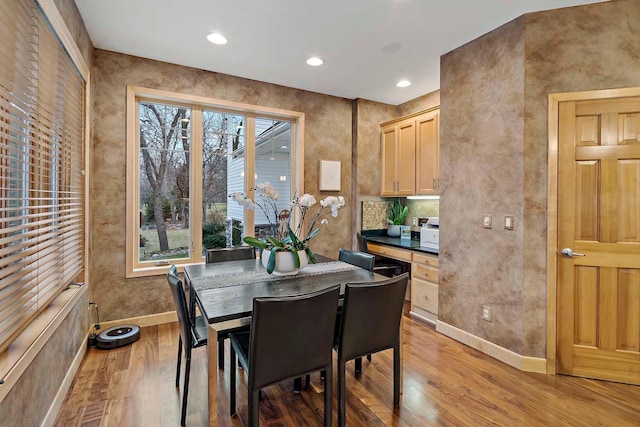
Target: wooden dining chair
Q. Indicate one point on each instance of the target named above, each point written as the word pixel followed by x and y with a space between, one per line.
pixel 216 255
pixel 370 322
pixel 191 335
pixel 290 337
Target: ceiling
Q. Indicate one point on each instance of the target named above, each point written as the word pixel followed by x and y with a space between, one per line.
pixel 270 40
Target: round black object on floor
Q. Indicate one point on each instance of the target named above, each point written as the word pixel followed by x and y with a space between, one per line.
pixel 118 336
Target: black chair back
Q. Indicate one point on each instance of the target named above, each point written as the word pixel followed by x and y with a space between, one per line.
pixel 291 336
pixel 360 259
pixel 371 317
pixel 362 243
pixel 230 254
pixel 181 306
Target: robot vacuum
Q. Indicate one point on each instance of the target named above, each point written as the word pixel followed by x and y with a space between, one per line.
pixel 117 336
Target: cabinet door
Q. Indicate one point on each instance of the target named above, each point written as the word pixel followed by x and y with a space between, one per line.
pixel 427 153
pixel 388 160
pixel 406 155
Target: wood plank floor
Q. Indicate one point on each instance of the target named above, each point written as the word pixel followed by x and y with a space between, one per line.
pixel 445 384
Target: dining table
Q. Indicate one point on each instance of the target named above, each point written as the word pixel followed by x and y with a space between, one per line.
pixel 224 294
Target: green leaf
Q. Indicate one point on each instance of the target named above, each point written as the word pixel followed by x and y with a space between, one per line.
pixel 314 233
pixel 310 255
pixel 296 257
pixel 271 265
pixel 274 242
pixel 256 243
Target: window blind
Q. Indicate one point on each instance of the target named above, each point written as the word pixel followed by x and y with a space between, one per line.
pixel 42 159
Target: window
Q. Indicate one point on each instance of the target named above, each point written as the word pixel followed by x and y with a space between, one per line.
pixel 42 158
pixel 185 156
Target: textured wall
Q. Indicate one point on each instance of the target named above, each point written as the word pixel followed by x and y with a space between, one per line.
pixel 421 103
pixel 327 137
pixel 71 16
pixel 29 400
pixel 493 159
pixel 481 172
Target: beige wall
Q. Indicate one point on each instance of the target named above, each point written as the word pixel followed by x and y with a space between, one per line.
pixel 328 135
pixel 494 157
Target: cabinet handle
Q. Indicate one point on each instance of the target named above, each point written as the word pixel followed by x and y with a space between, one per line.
pixel 438 183
pixel 433 182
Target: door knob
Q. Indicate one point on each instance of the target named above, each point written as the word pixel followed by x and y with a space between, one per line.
pixel 568 253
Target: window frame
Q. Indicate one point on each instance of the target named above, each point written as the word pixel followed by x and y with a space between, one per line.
pixel 137 94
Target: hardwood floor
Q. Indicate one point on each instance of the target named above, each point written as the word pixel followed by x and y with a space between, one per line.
pixel 445 384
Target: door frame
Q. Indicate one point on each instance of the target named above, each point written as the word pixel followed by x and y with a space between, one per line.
pixel 552 205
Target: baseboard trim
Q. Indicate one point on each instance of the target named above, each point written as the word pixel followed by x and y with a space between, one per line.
pixel 142 321
pixel 58 400
pixel 523 363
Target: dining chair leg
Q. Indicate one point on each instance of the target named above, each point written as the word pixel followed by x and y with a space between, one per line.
pixel 220 354
pixel 185 390
pixel 179 359
pixel 396 375
pixel 254 406
pixel 342 401
pixel 369 357
pixel 358 363
pixel 232 382
pixel 328 395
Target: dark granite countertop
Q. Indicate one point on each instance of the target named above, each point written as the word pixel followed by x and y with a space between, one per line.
pixel 380 236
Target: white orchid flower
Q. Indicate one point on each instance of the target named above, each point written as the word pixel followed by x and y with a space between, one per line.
pixel 307 200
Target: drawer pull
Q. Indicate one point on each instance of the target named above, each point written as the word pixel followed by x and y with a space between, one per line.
pixel 425 297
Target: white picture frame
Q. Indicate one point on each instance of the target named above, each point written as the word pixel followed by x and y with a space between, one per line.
pixel 329 175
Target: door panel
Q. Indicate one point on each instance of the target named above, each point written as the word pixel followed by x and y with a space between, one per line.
pixel 599 216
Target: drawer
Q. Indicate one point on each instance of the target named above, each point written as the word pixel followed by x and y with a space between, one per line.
pixel 431 260
pixel 424 295
pixel 389 252
pixel 424 272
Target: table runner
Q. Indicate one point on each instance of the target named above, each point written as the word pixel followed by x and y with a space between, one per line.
pixel 213 281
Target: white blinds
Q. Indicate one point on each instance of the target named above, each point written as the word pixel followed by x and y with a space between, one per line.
pixel 41 156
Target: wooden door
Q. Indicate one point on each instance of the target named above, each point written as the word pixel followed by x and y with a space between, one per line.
pixel 599 217
pixel 388 161
pixel 427 153
pixel 406 158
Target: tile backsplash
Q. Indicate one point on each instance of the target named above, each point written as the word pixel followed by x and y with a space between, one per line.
pixel 374 214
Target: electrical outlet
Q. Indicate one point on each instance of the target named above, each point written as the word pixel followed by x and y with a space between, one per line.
pixel 486 221
pixel 414 220
pixel 486 313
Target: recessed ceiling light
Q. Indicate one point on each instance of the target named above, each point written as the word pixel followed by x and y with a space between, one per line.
pixel 403 83
pixel 391 47
pixel 217 38
pixel 314 61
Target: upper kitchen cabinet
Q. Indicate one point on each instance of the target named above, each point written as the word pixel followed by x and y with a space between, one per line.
pixel 428 153
pixel 398 158
pixel 410 150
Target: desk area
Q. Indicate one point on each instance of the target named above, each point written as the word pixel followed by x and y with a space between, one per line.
pixel 424 270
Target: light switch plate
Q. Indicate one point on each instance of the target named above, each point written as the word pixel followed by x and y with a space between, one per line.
pixel 486 221
pixel 508 222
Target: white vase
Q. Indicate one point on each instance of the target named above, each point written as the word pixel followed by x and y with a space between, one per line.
pixel 284 262
pixel 393 230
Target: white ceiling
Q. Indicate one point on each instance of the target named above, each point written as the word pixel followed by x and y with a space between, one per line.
pixel 270 40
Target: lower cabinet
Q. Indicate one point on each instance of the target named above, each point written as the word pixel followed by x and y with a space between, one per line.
pixel 424 287
pixel 424 279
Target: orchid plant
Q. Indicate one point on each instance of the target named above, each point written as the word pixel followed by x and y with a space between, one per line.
pixel 284 237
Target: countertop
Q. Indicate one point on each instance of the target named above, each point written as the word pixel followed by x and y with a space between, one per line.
pixel 380 236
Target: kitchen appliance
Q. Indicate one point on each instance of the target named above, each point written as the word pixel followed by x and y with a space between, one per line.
pixel 430 234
